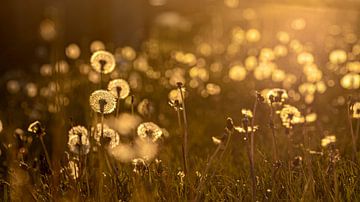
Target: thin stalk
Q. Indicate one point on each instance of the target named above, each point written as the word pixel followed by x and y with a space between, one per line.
pixel 180 132
pixel 185 131
pixel 251 158
pixel 46 154
pixel 352 133
pixel 117 107
pixel 272 126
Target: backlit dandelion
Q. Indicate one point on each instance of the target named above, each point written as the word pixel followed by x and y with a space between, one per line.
pixel 111 137
pixel 337 56
pixel 290 116
pixel 102 101
pixel 79 142
pixel 103 62
pixel 119 88
pixel 149 130
pixel 276 96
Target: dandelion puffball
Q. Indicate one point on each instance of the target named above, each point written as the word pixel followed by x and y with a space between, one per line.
pixel 149 130
pixel 79 142
pixel 102 101
pixel 119 88
pixel 107 133
pixel 103 62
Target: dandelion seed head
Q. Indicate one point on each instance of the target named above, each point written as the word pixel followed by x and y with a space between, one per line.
pixel 149 130
pixel 109 133
pixel 276 95
pixel 119 88
pixel 290 116
pixel 103 62
pixel 79 143
pixel 78 130
pixel 102 101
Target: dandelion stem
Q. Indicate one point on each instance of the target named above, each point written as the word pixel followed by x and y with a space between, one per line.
pixel 117 107
pixel 46 153
pixel 185 131
pixel 272 126
pixel 252 163
pixel 352 133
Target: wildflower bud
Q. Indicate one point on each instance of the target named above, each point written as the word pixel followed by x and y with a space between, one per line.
pixel 229 123
pixel 259 97
pixel 179 84
pixel 36 128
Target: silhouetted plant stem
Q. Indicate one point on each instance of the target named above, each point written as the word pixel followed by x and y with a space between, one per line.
pixel 354 153
pixel 185 141
pixel 47 157
pixel 272 126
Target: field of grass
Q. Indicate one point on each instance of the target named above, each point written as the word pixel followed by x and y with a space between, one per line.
pixel 234 104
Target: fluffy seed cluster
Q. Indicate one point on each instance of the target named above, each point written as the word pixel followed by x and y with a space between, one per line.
pixel 149 130
pixel 276 96
pixel 78 142
pixel 103 62
pixel 119 88
pixel 290 116
pixel 102 101
pixel 107 133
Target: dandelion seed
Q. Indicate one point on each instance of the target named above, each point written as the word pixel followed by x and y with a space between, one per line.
pixel 108 133
pixel 328 140
pixel 103 62
pixel 102 101
pixel 145 108
pixel 119 88
pixel 149 130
